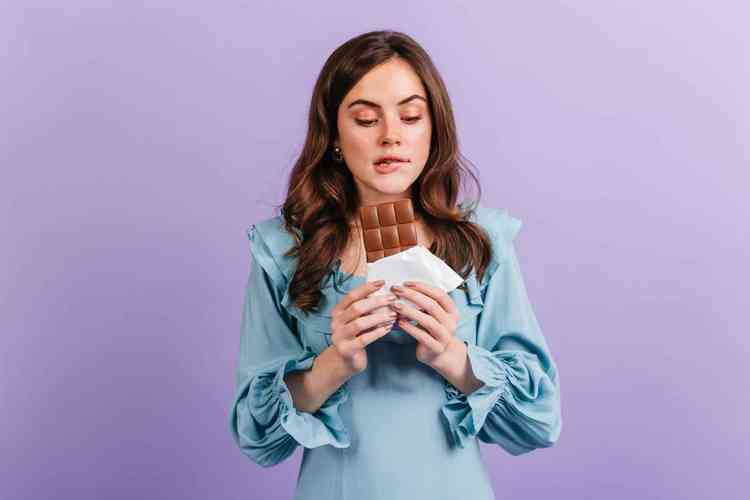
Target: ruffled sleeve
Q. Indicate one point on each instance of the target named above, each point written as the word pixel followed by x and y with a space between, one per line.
pixel 518 407
pixel 263 420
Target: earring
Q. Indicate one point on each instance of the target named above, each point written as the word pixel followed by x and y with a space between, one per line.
pixel 337 154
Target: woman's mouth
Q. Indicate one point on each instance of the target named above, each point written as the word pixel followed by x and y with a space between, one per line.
pixel 389 166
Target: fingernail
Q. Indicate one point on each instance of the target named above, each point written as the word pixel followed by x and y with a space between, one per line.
pixel 379 283
pixel 397 288
pixel 409 283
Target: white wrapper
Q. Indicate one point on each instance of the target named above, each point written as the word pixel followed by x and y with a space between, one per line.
pixel 415 264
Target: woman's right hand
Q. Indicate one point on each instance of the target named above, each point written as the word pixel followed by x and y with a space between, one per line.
pixel 353 327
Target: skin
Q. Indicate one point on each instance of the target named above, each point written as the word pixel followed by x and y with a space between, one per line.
pixel 365 133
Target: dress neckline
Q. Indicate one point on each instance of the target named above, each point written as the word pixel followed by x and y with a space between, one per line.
pixel 345 282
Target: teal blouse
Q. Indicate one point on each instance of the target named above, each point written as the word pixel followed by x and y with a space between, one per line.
pixel 398 429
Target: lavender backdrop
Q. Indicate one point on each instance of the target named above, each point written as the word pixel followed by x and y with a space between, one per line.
pixel 138 140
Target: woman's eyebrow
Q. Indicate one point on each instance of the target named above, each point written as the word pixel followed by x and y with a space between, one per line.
pixel 376 105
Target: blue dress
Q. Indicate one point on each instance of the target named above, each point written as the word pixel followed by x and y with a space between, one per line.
pixel 398 430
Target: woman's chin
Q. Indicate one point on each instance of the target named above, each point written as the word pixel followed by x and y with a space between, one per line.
pixel 385 189
pixel 391 186
pixel 398 192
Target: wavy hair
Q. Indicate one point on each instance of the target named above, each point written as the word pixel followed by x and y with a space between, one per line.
pixel 322 196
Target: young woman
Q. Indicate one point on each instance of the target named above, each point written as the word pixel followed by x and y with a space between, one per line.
pixel 387 410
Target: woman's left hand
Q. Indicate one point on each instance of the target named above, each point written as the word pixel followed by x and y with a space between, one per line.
pixel 435 332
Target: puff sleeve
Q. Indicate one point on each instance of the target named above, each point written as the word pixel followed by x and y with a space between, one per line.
pixel 263 421
pixel 518 407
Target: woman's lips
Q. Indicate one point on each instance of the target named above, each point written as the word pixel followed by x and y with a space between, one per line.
pixel 387 168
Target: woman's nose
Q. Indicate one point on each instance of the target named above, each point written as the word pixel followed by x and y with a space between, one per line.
pixel 392 131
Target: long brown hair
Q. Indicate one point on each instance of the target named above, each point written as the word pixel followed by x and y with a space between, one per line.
pixel 322 196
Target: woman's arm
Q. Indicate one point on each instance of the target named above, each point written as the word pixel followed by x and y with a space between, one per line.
pixel 263 418
pixel 311 388
pixel 518 405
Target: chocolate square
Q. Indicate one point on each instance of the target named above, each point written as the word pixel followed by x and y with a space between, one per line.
pixel 388 228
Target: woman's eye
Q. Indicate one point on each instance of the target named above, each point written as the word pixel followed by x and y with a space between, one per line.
pixel 410 119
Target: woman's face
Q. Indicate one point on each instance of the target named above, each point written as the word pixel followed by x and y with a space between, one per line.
pixel 385 113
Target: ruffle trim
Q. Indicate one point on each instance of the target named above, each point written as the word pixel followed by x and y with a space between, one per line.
pixel 269 240
pixel 272 400
pixel 465 415
pixel 502 229
pixel 511 379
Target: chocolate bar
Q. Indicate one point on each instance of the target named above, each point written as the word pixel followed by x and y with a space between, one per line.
pixel 388 228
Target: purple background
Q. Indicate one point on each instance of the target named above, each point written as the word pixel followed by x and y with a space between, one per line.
pixel 138 140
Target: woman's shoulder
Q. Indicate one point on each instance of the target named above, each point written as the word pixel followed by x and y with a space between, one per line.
pixel 269 243
pixel 270 240
pixel 500 225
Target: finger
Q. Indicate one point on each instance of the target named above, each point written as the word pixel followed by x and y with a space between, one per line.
pixel 369 337
pixel 358 293
pixel 366 322
pixel 364 306
pixel 426 321
pixel 422 336
pixel 424 301
pixel 437 294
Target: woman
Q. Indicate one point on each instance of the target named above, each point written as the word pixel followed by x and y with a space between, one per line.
pixel 387 410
